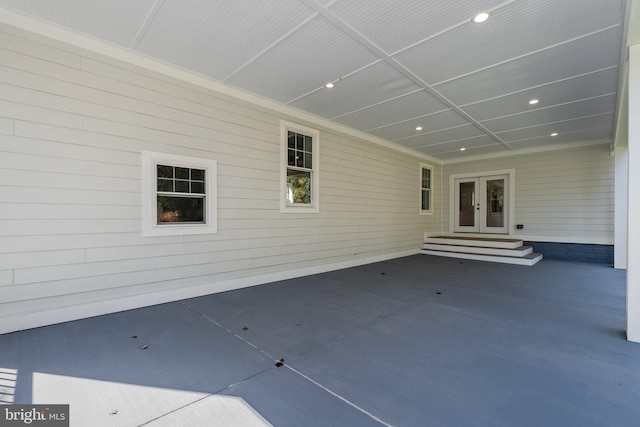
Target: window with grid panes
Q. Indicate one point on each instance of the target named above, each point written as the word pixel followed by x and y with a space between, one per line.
pixel 181 194
pixel 299 168
pixel 300 174
pixel 426 182
pixel 178 196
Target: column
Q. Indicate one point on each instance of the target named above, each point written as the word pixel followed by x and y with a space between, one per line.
pixel 633 253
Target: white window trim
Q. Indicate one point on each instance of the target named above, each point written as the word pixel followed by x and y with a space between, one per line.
pixel 423 211
pixel 314 206
pixel 149 192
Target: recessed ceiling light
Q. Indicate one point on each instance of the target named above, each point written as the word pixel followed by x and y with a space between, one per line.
pixel 462 149
pixel 534 101
pixel 419 128
pixel 329 85
pixel 554 134
pixel 481 17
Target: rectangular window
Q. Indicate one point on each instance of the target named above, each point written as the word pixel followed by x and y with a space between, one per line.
pixel 299 169
pixel 426 182
pixel 178 195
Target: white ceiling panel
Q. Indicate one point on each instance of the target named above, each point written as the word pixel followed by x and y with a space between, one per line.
pixel 573 89
pixel 456 154
pixel 116 21
pixel 563 128
pixel 394 25
pixel 372 85
pixel 307 59
pixel 557 113
pixel 396 64
pixel 220 29
pixel 430 123
pixel 511 31
pixel 557 63
pixel 591 134
pixel 469 144
pixel 415 104
pixel 445 136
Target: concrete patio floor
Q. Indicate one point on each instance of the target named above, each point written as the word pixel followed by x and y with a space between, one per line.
pixel 415 341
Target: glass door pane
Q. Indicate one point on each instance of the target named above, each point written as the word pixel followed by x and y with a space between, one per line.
pixel 467 204
pixel 495 203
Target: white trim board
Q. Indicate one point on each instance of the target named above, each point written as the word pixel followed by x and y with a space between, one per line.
pixel 531 238
pixel 621 206
pixel 55 315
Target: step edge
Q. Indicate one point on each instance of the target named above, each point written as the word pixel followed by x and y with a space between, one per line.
pixel 528 256
pixel 523 247
pixel 477 243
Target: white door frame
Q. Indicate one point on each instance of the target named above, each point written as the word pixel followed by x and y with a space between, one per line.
pixel 475 201
pixel 510 208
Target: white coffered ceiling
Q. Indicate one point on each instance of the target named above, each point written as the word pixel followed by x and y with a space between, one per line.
pixel 396 64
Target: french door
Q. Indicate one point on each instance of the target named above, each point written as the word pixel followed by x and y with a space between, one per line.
pixel 481 204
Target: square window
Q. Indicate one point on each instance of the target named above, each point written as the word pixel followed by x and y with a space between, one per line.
pixel 182 186
pixel 182 173
pixel 197 175
pixel 165 171
pixel 165 184
pixel 197 187
pixel 178 195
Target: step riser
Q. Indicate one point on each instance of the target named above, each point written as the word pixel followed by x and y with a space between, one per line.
pixel 479 257
pixel 479 250
pixel 476 243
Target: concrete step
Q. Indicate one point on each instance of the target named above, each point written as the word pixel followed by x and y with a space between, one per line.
pixel 482 250
pixel 487 242
pixel 529 259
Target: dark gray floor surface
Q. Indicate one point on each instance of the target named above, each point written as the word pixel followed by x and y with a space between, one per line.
pixel 415 341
